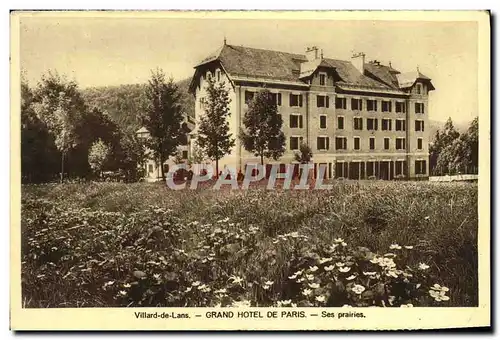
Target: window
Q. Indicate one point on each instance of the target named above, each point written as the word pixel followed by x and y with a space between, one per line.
pixel 400 125
pixel 322 121
pixel 358 123
pixel 150 168
pixel 209 75
pixel 401 107
pixel 386 143
pixel 322 101
pixel 184 154
pixel 323 143
pixel 340 103
pixel 372 124
pixel 295 143
pixel 370 169
pixel 276 98
pixel 400 168
pixel 248 96
pixel 322 79
pixel 202 103
pixel 386 106
pixel 418 89
pixel 356 143
pixel 218 75
pixel 340 169
pixel 420 167
pixel 371 105
pixel 400 143
pixel 296 121
pixel 419 125
pixel 295 100
pixel 386 124
pixel 356 104
pixel 340 123
pixel 420 142
pixel 419 108
pixel 340 143
pixel 372 143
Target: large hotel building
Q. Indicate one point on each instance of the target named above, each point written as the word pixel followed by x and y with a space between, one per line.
pixel 362 119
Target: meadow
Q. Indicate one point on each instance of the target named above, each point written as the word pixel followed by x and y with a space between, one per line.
pixel 372 243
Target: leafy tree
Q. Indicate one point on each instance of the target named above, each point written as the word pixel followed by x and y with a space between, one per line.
pixel 196 156
pixel 214 137
pixel 442 139
pixel 304 155
pixel 99 155
pixel 131 156
pixel 262 134
pixel 59 105
pixel 163 117
pixel 472 137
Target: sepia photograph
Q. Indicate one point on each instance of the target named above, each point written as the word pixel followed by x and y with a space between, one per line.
pixel 222 167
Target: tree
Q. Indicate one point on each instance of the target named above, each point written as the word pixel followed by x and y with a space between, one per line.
pixel 99 155
pixel 442 139
pixel 214 137
pixel 262 134
pixel 304 155
pixel 163 117
pixel 472 137
pixel 59 105
pixel 197 156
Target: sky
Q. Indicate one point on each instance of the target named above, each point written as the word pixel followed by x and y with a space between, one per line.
pixel 112 51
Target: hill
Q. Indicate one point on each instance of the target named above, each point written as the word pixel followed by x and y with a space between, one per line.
pixel 123 103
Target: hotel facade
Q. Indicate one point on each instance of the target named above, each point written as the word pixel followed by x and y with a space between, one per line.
pixel 362 120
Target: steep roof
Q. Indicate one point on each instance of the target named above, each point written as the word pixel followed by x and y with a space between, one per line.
pixel 267 64
pixel 407 79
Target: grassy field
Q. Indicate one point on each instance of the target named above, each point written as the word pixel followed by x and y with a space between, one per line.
pixel 359 244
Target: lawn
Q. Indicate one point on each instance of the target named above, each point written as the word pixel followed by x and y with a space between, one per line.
pixel 358 244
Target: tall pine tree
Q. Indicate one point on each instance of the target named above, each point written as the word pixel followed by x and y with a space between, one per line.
pixel 213 136
pixel 262 134
pixel 163 117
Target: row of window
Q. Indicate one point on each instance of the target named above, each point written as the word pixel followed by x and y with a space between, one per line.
pixel 323 143
pixel 341 103
pixel 377 169
pixel 296 121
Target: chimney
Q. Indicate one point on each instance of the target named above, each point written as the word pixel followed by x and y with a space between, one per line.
pixel 358 60
pixel 312 53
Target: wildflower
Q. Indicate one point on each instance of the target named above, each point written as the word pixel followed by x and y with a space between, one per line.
pixel 276 241
pixel 313 268
pixel 338 240
pixel 438 292
pixel 427 218
pixel 266 287
pixel 395 246
pixel 206 289
pixel 329 268
pixel 188 289
pixel 392 273
pixel 299 272
pixel 306 292
pixel 418 285
pixel 294 234
pixel 391 255
pixel 157 276
pixel 358 289
pixel 369 273
pixel 314 285
pixel 292 277
pixel 407 305
pixel 220 291
pixel 320 298
pixel 196 283
pixel 294 305
pixel 236 279
pixel 344 244
pixel 268 283
pixel 352 277
pixel 423 266
pixel 386 262
pixel 310 277
pixel 126 285
pixel 324 260
pixel 202 287
pixel 339 264
pixel 409 247
pixel 109 283
pixel 300 280
pixel 241 304
pixel 282 303
pixel 122 292
pixel 376 260
pixel 344 269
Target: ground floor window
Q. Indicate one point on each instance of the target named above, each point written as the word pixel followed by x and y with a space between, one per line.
pixel 340 169
pixel 150 168
pixel 400 168
pixel 420 167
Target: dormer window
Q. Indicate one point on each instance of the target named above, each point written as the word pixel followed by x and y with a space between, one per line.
pixel 322 79
pixel 418 88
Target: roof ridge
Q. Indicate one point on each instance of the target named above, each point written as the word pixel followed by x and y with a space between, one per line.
pixel 268 50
